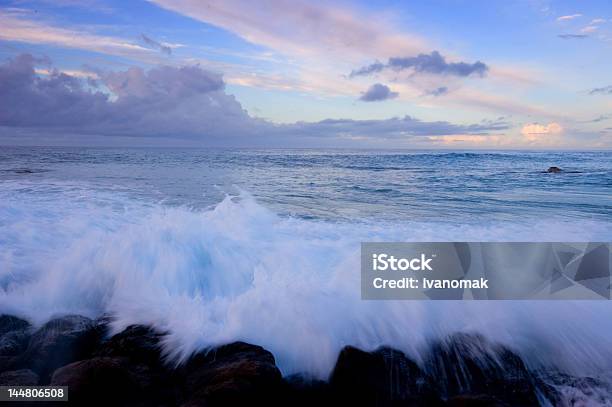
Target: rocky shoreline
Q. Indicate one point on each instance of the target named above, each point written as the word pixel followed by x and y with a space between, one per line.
pixel 128 369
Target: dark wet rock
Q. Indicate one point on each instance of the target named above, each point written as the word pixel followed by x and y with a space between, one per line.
pixel 234 374
pixel 139 347
pixel 302 390
pixel 463 369
pixel 22 377
pixel 59 342
pixel 14 335
pixel 14 343
pixel 468 364
pixel 10 323
pixel 106 381
pixel 385 377
pixel 7 363
pixel 564 389
pixel 554 169
pixel 475 401
pixel 139 343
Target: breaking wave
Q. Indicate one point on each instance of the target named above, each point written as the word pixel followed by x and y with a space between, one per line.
pixel 238 271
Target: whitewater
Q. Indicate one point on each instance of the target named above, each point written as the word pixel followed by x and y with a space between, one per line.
pixel 224 248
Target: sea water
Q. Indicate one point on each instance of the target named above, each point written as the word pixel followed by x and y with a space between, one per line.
pixel 263 245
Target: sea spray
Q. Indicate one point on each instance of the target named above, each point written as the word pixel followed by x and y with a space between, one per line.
pixel 238 271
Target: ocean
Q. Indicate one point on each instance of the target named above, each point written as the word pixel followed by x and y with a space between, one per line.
pixel 215 245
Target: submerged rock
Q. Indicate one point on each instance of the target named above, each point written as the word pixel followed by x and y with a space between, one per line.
pixel 468 364
pixel 385 377
pixel 234 374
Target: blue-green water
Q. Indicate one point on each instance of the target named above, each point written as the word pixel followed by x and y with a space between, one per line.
pixel 339 185
pixel 263 245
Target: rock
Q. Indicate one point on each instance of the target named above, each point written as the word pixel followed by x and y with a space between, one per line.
pixel 563 389
pixel 139 346
pixel 139 343
pixel 105 381
pixel 23 377
pixel 59 342
pixel 14 335
pixel 10 323
pixel 468 364
pixel 385 377
pixel 475 401
pixel 554 169
pixel 301 390
pixel 234 374
pixel 13 343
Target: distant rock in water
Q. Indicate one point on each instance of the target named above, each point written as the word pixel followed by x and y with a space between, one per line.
pixel 553 169
pixel 25 171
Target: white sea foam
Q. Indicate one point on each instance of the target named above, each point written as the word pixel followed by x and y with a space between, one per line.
pixel 240 272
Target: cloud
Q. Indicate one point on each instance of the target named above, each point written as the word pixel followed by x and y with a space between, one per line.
pixel 466 140
pixel 600 118
pixel 300 28
pixel 569 17
pixel 442 90
pixel 589 29
pixel 17 28
pixel 166 49
pixel 597 21
pixel 534 132
pixel 177 103
pixel 378 92
pixel 185 101
pixel 573 36
pixel 433 63
pixel 606 90
pixel 399 127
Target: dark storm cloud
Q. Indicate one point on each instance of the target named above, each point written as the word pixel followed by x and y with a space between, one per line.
pixel 433 63
pixel 157 45
pixel 173 103
pixel 378 92
pixel 572 36
pixel 606 90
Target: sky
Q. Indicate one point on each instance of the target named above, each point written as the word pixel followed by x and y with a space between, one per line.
pixel 523 74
